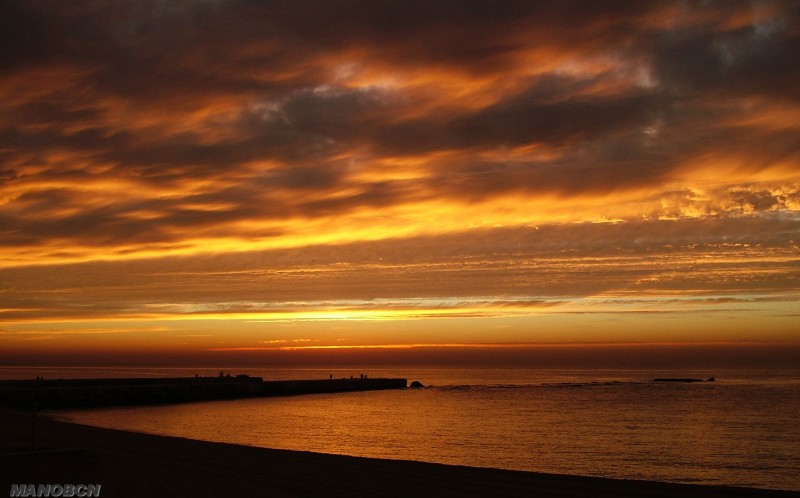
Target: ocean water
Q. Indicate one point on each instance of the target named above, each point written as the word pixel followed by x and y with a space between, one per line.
pixel 743 429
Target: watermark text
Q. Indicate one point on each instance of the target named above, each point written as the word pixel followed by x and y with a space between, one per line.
pixel 56 490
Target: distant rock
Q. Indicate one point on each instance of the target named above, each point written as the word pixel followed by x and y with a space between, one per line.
pixel 416 384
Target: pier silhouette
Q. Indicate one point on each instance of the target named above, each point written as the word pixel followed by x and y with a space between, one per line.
pixel 91 393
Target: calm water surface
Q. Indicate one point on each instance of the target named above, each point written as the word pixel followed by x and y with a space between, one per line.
pixel 741 430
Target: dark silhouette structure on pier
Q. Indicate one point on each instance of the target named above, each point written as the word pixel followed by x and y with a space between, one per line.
pixel 89 393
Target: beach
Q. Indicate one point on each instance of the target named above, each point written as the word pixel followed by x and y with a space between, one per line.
pixel 128 464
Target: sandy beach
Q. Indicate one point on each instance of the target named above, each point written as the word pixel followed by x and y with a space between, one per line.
pixel 136 465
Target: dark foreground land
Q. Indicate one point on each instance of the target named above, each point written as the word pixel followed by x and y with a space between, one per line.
pixel 128 464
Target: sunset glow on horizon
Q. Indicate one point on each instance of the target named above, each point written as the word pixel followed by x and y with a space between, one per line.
pixel 197 178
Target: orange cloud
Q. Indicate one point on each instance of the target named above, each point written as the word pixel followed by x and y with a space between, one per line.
pixel 180 160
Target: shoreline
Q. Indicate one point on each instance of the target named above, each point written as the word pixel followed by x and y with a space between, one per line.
pixel 130 464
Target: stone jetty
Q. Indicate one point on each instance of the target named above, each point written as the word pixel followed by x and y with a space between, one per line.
pixel 90 393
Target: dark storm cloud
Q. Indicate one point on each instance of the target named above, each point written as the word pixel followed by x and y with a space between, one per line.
pixel 206 114
pixel 529 118
pixel 751 60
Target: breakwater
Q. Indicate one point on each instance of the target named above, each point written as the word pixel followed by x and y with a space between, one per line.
pixel 91 393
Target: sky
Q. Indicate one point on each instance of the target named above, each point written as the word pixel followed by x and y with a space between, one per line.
pixel 242 179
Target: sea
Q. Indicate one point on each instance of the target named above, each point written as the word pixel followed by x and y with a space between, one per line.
pixel 743 429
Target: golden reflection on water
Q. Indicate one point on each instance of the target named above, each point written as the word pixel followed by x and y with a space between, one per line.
pixel 733 433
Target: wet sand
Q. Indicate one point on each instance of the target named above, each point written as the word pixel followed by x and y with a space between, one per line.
pixel 129 464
